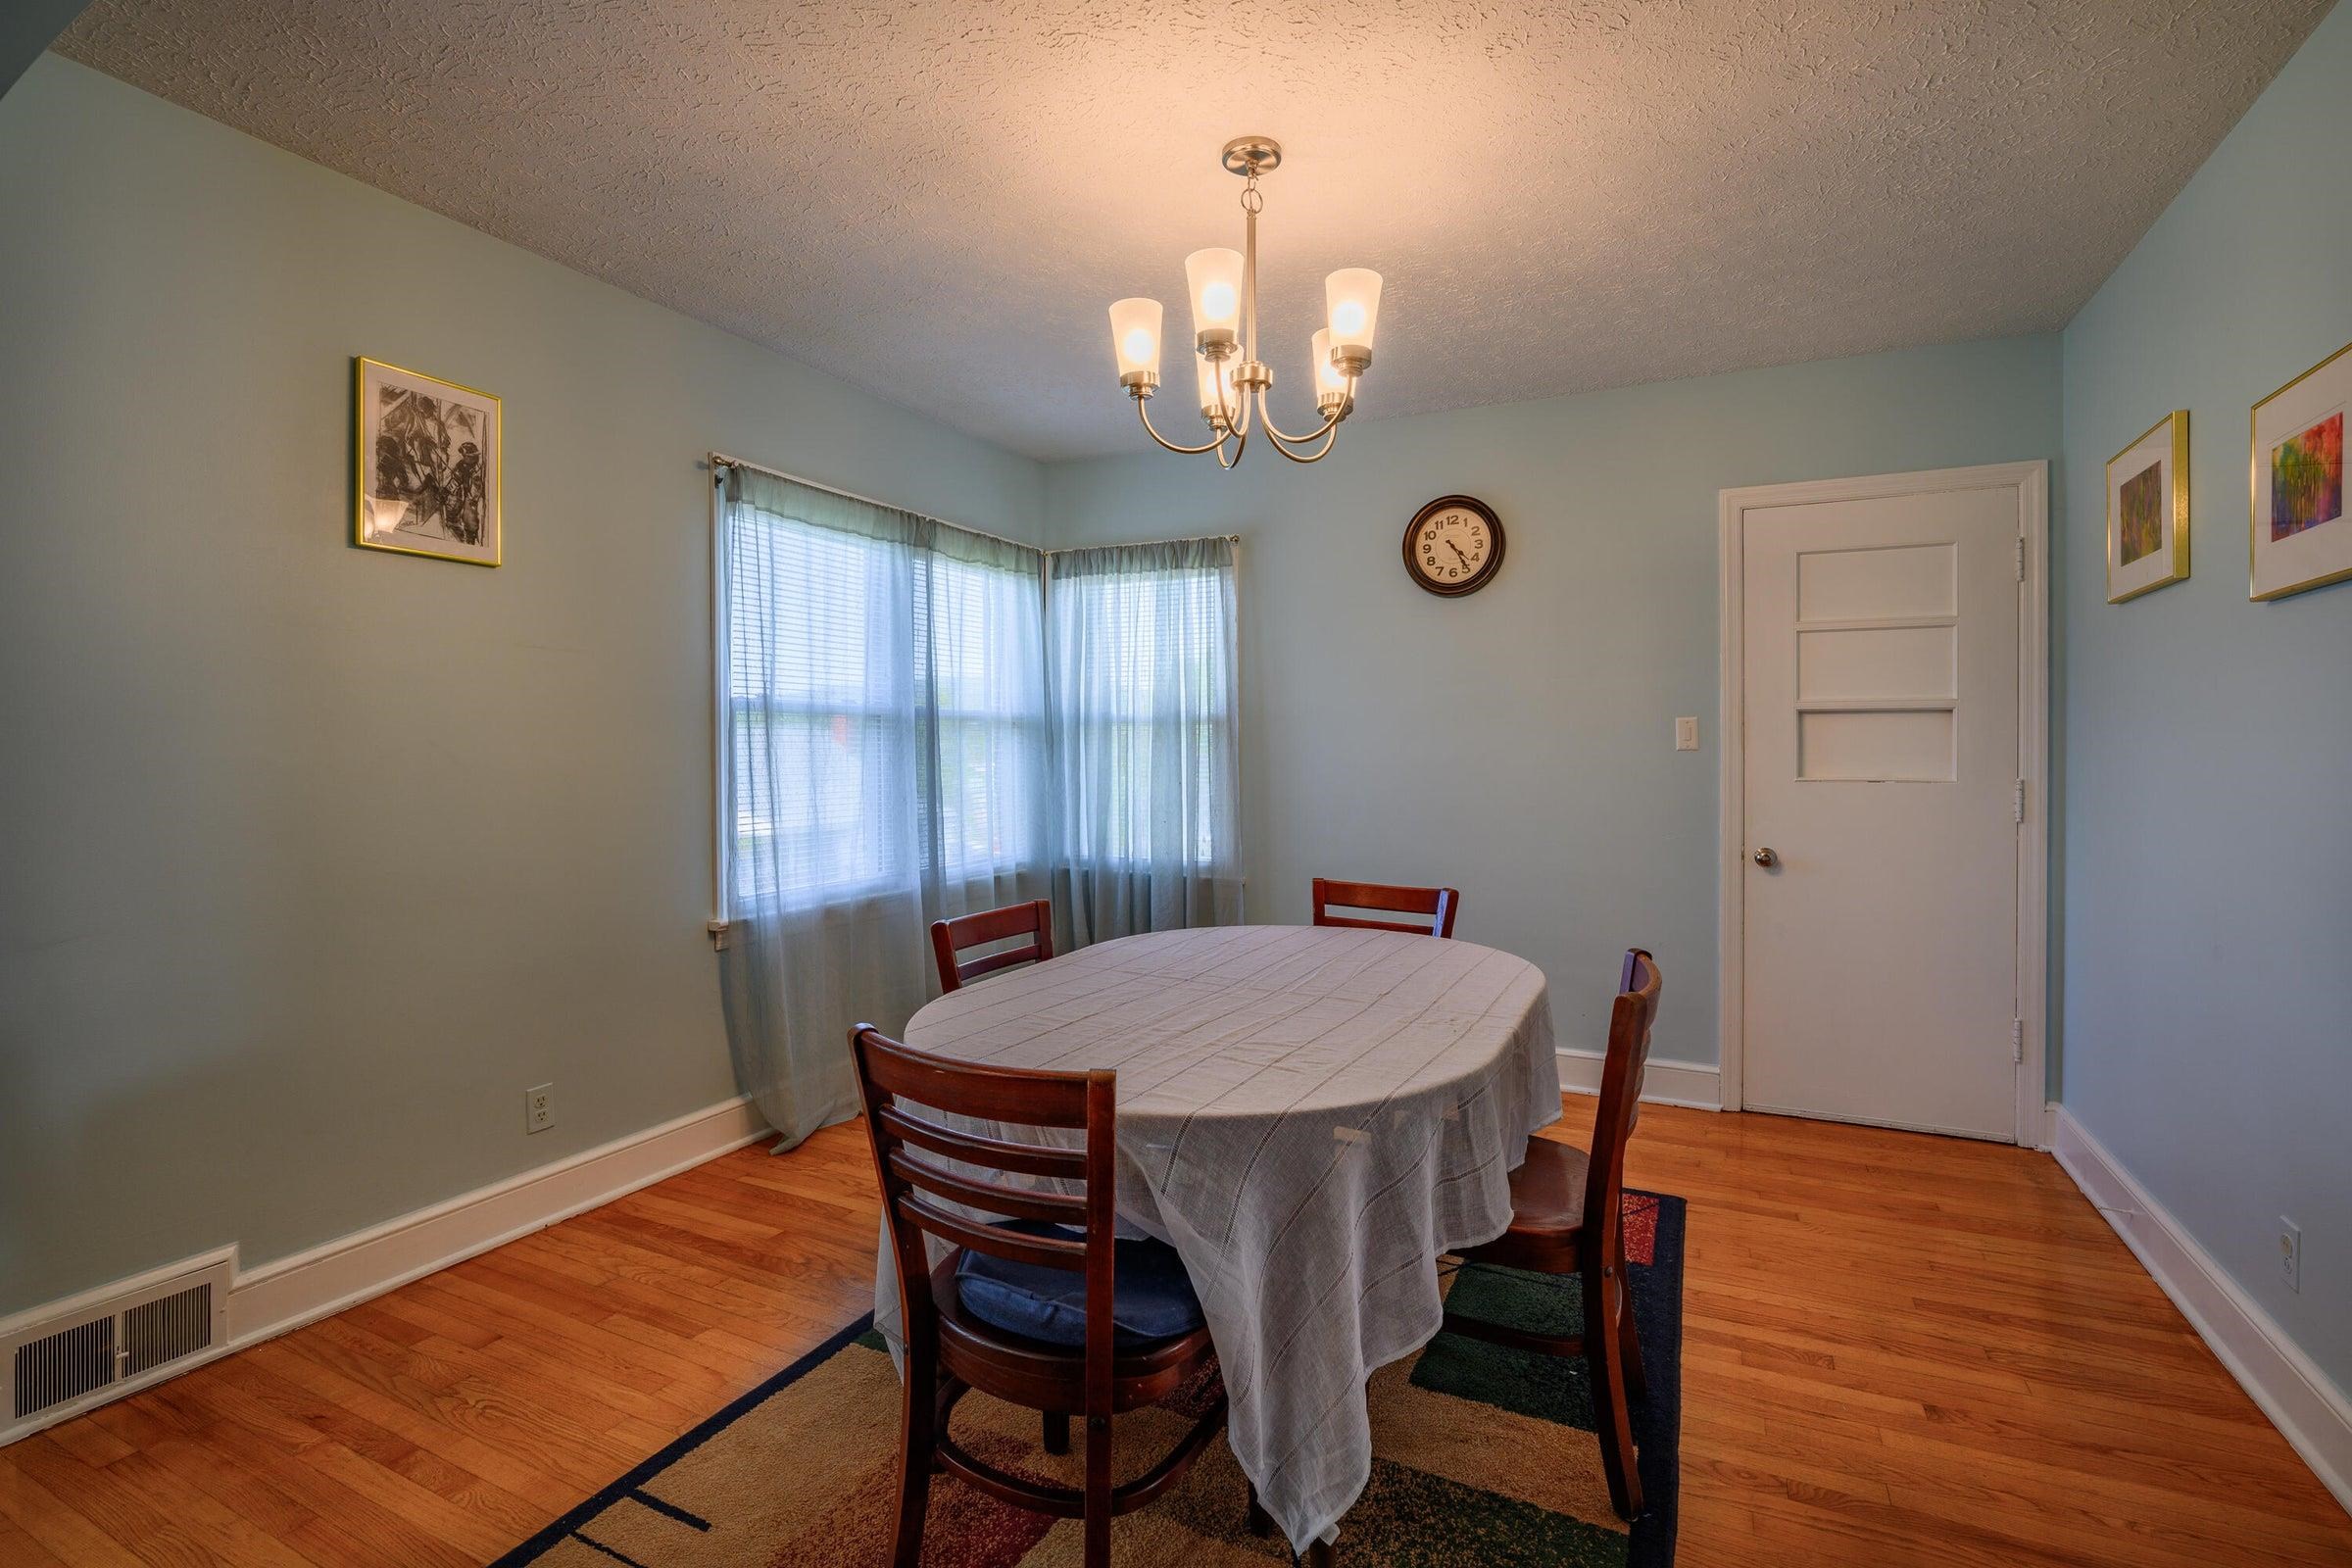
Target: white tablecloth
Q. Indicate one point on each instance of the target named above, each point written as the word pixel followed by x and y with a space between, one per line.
pixel 1310 1117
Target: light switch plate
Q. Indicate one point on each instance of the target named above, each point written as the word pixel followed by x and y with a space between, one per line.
pixel 1685 734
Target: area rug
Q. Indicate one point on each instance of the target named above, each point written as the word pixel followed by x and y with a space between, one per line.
pixel 1484 1455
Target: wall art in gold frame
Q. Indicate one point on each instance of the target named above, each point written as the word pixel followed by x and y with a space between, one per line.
pixel 2297 535
pixel 2147 511
pixel 429 461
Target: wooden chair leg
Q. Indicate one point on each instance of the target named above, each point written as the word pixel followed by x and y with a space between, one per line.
pixel 1057 1432
pixel 1604 1356
pixel 1636 1381
pixel 1261 1523
pixel 918 1447
pixel 1322 1554
pixel 1098 1491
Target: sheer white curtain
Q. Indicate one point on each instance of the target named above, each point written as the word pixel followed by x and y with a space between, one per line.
pixel 1144 685
pixel 885 750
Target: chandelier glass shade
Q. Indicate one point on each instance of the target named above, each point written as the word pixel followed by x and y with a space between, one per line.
pixel 1233 381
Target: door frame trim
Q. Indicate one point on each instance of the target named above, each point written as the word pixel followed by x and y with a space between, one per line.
pixel 2032 482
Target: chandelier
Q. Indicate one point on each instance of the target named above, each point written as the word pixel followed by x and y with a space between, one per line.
pixel 1232 379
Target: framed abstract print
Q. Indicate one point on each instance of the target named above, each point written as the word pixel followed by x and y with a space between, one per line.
pixel 2298 536
pixel 429 456
pixel 2147 511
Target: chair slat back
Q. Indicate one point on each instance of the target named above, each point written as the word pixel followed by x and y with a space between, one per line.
pixel 1034 920
pixel 1621 1072
pixel 1032 1159
pixel 1438 904
pixel 924 1195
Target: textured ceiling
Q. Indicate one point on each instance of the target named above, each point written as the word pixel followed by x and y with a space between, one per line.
pixel 936 200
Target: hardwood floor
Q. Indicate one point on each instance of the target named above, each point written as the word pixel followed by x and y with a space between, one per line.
pixel 1897 1349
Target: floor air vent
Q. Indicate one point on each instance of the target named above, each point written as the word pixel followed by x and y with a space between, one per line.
pixel 62 1366
pixel 67 1359
pixel 168 1329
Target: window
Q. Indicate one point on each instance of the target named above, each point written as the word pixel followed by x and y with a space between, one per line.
pixel 1146 736
pixel 889 747
pixel 885 709
pixel 811 707
pixel 982 716
pixel 1149 652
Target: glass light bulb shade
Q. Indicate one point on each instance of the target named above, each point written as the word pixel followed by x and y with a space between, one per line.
pixel 1352 306
pixel 1330 380
pixel 1216 375
pixel 1214 280
pixel 1135 336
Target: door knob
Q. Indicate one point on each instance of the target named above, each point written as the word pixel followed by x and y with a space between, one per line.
pixel 1765 857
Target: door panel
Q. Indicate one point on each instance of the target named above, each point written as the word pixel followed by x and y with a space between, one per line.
pixel 1880 708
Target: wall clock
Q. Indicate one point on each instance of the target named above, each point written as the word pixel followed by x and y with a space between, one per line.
pixel 1453 546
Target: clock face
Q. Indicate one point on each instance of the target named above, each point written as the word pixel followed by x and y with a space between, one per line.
pixel 1453 545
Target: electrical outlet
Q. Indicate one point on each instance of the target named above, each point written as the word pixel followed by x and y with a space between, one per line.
pixel 1685 734
pixel 2290 1253
pixel 539 1108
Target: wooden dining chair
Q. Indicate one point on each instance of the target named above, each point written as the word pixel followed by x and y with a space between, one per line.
pixel 1568 1217
pixel 950 937
pixel 1437 903
pixel 1046 1307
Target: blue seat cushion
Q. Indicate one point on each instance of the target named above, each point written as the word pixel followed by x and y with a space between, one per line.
pixel 1153 1299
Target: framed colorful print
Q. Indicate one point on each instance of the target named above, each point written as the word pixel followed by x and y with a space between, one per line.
pixel 430 458
pixel 2298 536
pixel 2147 511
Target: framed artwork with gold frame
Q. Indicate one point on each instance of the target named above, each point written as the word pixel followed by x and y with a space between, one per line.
pixel 2147 511
pixel 428 459
pixel 2297 535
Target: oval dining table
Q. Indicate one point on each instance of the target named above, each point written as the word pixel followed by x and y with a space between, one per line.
pixel 1310 1117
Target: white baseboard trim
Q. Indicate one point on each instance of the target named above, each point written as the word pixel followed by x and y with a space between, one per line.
pixel 2300 1399
pixel 1663 1083
pixel 344 1272
pixel 289 1292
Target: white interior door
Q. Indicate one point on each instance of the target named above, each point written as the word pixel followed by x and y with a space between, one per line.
pixel 1880 668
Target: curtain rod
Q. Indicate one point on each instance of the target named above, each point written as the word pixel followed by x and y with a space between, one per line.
pixel 1139 544
pixel 719 459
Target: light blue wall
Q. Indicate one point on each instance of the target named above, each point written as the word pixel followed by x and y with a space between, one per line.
pixel 1519 743
pixel 2208 741
pixel 313 859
